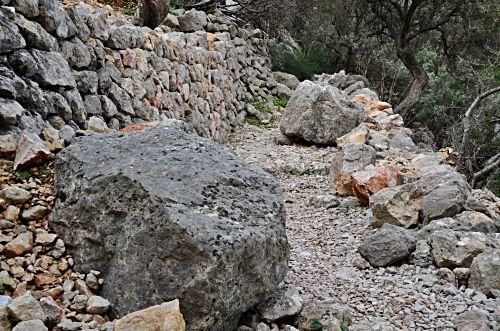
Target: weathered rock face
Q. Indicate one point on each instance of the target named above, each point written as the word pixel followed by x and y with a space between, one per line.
pixel 485 273
pixel 399 205
pixel 319 114
pixel 453 249
pixel 164 317
pixel 351 158
pixel 184 218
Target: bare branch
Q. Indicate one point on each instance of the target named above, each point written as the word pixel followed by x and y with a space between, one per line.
pixel 489 167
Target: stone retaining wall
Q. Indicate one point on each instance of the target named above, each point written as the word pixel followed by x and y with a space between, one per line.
pixel 61 65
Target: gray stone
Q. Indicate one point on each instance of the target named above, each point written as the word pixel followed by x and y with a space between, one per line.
pixel 319 114
pixel 25 308
pixel 217 223
pixel 192 21
pixel 98 24
pixel 97 305
pixel 388 246
pixel 283 92
pixel 445 193
pixel 377 324
pixel 453 249
pixel 58 105
pixel 108 107
pixel 485 273
pixel 126 36
pixel 83 31
pixel 476 221
pixel 32 325
pixel 472 320
pixel 28 8
pixel 23 61
pixel 76 53
pixel 10 38
pixel 10 112
pixel 401 139
pixel 75 102
pixel 14 194
pixel 422 255
pixel 52 70
pixel 286 79
pixel 55 20
pixel 67 133
pixel 121 99
pixel 10 83
pixel 34 213
pixel 35 35
pixel 92 105
pixel 398 205
pixel 86 81
pixel 286 302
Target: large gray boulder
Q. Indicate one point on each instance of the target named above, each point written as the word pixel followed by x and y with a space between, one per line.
pixel 388 246
pixel 164 214
pixel 398 205
pixel 445 192
pixel 454 249
pixel 485 273
pixel 319 114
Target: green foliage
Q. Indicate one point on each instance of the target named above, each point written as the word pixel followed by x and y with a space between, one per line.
pixel 303 63
pixel 316 326
pixel 129 11
pixel 174 6
pixel 24 175
pixel 252 120
pixel 262 108
pixel 280 103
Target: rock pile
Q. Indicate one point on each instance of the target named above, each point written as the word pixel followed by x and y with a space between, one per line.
pixel 38 281
pixel 78 67
pixel 426 210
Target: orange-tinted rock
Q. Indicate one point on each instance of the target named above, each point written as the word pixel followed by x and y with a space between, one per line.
pixel 45 279
pixel 372 179
pixel 164 317
pixel 31 151
pixel 19 246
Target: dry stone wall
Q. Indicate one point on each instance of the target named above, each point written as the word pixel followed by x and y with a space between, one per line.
pixel 62 65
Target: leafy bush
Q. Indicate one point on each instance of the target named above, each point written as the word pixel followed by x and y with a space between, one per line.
pixel 129 11
pixel 303 63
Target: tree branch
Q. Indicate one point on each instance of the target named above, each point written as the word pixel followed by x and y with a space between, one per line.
pixel 489 166
pixel 466 122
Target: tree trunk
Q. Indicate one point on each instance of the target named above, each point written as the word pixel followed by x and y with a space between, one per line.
pixel 151 13
pixel 418 83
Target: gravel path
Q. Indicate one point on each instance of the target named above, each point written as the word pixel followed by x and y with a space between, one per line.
pixel 324 264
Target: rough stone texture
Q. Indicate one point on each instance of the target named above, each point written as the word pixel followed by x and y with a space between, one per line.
pixel 25 308
pixel 286 79
pixel 31 151
pixel 216 223
pixel 319 114
pixel 33 325
pixel 485 273
pixel 164 317
pixel 445 193
pixel 372 179
pixel 472 320
pixel 286 302
pixel 351 158
pixel 388 246
pixel 203 76
pixel 399 205
pixel 453 249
